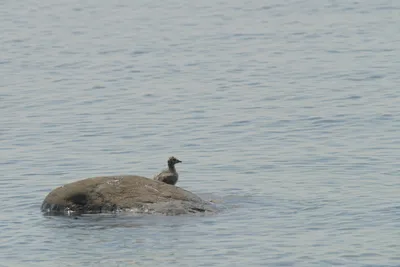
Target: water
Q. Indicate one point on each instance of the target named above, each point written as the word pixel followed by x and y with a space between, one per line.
pixel 286 112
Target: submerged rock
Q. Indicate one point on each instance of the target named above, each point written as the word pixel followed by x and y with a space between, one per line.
pixel 123 193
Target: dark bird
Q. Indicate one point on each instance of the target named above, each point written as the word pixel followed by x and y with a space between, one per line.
pixel 169 176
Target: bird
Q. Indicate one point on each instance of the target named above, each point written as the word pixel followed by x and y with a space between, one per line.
pixel 169 176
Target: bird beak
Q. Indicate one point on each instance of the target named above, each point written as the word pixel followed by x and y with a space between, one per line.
pixel 179 161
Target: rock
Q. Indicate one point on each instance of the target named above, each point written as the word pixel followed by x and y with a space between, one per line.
pixel 123 193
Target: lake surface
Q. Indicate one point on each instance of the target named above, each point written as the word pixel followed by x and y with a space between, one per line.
pixel 287 112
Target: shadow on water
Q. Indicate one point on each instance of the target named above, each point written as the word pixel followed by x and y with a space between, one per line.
pixel 103 221
pixel 93 221
pixel 227 206
pixel 119 220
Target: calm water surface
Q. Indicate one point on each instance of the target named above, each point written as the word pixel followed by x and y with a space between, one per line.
pixel 287 112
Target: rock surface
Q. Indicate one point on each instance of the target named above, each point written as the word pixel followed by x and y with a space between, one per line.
pixel 123 193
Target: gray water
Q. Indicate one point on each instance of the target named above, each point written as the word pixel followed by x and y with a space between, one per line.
pixel 286 112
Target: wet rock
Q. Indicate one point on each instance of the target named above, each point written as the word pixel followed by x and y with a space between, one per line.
pixel 123 193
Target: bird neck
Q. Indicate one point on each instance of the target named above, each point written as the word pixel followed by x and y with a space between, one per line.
pixel 171 167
